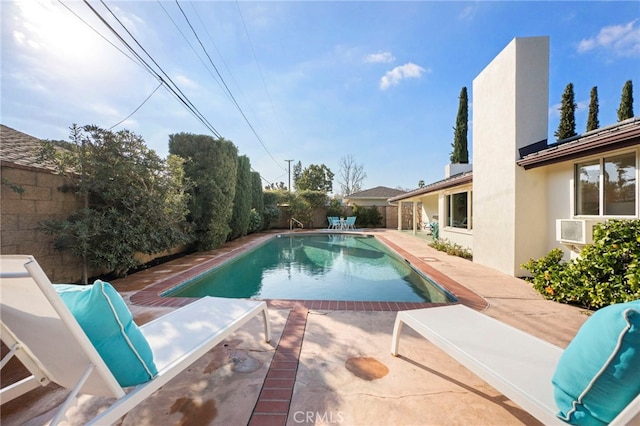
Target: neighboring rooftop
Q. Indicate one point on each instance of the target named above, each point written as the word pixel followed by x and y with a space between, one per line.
pixel 381 192
pixel 21 149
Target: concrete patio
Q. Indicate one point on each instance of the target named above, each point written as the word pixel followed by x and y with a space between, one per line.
pixel 329 365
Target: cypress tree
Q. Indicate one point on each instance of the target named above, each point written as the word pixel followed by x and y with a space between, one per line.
pixel 460 152
pixel 626 102
pixel 592 121
pixel 241 213
pixel 567 125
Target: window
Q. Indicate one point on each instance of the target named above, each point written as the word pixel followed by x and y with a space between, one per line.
pixel 457 210
pixel 606 186
pixel 588 190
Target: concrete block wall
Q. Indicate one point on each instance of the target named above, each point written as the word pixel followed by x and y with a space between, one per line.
pixel 21 214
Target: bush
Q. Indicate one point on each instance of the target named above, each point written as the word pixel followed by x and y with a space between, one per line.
pixel 606 272
pixel 452 249
pixel 335 209
pixel 367 217
pixel 255 221
pixel 271 211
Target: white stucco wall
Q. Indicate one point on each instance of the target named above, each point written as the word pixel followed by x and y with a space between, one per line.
pixel 559 201
pixel 510 111
pixel 429 208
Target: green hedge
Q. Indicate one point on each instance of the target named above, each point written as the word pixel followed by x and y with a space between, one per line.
pixel 606 272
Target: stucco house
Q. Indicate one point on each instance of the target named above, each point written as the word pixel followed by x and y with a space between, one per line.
pixel 524 196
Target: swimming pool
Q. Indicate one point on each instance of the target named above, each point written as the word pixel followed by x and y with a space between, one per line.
pixel 347 267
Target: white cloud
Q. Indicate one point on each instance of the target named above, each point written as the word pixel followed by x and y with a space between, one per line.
pixel 184 81
pixel 468 13
pixel 621 40
pixel 393 77
pixel 384 57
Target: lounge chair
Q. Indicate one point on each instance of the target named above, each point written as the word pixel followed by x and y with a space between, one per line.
pixel 517 364
pixel 42 332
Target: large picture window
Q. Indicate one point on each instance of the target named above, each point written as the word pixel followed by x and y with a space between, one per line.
pixel 457 210
pixel 607 186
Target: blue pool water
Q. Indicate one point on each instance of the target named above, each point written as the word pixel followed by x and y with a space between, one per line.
pixel 317 267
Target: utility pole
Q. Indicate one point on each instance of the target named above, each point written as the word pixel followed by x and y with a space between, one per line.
pixel 289 161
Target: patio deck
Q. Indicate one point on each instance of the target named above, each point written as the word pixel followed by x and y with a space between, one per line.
pixel 329 362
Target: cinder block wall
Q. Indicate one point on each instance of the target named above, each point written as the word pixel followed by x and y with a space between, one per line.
pixel 22 212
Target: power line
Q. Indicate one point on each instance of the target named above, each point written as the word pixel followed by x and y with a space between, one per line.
pixel 225 84
pixel 183 98
pixel 173 88
pixel 140 106
pixel 175 24
pixel 255 58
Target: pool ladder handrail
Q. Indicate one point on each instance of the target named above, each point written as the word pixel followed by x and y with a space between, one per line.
pixel 292 220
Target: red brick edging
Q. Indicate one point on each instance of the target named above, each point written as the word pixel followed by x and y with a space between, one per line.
pixel 272 407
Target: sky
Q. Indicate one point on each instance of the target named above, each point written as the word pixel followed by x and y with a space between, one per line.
pixel 311 82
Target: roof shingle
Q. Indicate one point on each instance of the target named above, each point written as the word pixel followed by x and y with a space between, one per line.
pixel 21 149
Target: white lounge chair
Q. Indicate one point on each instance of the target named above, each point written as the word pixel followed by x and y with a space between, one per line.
pixel 515 363
pixel 43 334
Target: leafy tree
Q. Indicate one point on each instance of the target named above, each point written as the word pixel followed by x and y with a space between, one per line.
pixel 567 125
pixel 625 111
pixel 335 208
pixel 211 164
pixel 297 172
pixel 242 201
pixel 271 210
pixel 460 153
pixel 592 122
pixel 280 186
pixel 313 178
pixel 133 200
pixel 351 175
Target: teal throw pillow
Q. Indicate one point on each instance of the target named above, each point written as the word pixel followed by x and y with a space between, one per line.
pixel 598 374
pixel 108 323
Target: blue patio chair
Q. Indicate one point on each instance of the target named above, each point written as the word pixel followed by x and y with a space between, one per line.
pixel 351 222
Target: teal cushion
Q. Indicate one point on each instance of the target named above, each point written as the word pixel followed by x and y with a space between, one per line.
pixel 599 372
pixel 108 323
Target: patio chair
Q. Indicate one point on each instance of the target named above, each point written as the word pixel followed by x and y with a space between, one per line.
pixel 350 223
pixel 334 222
pixel 41 331
pixel 522 366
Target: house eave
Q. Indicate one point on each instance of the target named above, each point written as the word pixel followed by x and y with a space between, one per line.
pixel 451 182
pixel 622 135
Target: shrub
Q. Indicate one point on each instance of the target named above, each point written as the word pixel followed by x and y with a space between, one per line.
pixel 255 221
pixel 607 271
pixel 335 209
pixel 452 249
pixel 367 217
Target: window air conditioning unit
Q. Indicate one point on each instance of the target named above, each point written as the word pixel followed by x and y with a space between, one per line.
pixel 575 231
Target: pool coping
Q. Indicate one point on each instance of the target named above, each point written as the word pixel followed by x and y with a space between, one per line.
pixel 151 295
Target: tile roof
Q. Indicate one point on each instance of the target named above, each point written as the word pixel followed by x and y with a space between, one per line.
pixel 381 192
pixel 20 149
